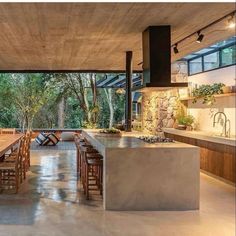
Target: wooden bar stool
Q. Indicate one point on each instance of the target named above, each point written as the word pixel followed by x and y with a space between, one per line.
pixel 91 170
pixel 79 154
pixel 84 148
pixel 79 141
pixel 95 167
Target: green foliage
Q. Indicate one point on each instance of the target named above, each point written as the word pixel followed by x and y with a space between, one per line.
pixel 110 131
pixel 185 120
pixel 207 92
pixel 32 101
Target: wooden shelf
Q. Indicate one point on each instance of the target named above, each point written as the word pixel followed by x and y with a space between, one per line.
pixel 216 96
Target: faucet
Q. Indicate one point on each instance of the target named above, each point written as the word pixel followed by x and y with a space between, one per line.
pixel 226 134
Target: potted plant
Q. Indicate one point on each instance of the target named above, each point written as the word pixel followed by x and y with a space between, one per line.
pixel 207 92
pixel 110 132
pixel 185 122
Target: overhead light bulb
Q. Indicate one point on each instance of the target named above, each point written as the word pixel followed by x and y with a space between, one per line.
pixel 200 37
pixel 176 49
pixel 231 23
pixel 120 91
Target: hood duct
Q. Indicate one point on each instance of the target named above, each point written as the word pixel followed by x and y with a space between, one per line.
pixel 157 59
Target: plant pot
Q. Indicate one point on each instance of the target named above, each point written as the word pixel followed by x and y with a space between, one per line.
pixel 233 89
pixel 189 128
pixel 227 89
pixel 181 127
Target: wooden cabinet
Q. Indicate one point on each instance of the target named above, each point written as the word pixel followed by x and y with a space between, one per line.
pixel 215 158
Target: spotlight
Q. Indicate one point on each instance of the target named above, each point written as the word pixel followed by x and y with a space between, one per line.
pixel 231 22
pixel 200 37
pixel 176 49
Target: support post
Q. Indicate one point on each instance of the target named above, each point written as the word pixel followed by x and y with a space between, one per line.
pixel 128 94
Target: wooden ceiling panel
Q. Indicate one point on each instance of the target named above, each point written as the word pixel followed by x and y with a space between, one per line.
pixel 95 36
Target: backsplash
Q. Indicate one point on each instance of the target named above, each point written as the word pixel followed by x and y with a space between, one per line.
pixel 159 107
pixel 158 110
pixel 204 114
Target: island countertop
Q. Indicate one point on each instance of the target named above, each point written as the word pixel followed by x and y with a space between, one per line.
pixel 129 140
pixel 143 176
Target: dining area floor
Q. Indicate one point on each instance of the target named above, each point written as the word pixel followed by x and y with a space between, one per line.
pixel 51 202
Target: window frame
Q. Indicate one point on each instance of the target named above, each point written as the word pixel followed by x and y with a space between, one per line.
pixel 219 49
pixel 202 63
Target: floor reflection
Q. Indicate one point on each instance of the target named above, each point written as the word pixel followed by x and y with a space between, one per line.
pixel 51 177
pixel 51 202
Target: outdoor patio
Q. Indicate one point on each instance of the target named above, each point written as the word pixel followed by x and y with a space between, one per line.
pixel 49 203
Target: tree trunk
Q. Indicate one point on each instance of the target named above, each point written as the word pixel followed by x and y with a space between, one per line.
pixel 61 113
pixel 94 93
pixel 87 110
pixel 108 93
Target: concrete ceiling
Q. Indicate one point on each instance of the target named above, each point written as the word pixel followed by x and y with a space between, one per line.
pixel 95 36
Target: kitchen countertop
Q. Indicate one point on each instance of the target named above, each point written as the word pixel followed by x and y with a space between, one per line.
pixel 202 135
pixel 130 140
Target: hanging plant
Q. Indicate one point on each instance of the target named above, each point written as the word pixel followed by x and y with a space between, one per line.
pixel 207 92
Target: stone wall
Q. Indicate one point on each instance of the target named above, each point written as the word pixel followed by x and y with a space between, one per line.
pixel 158 110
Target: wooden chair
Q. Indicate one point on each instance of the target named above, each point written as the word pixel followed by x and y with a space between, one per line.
pixel 25 159
pixel 11 172
pixel 27 149
pixel 8 131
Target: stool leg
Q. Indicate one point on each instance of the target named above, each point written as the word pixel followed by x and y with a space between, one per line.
pixel 87 182
pixel 16 182
pixel 0 180
pixel 80 164
pixel 77 160
pixel 101 179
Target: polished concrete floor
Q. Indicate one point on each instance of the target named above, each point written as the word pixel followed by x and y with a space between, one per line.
pixel 49 203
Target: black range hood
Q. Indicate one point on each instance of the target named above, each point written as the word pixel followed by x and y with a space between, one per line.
pixel 157 60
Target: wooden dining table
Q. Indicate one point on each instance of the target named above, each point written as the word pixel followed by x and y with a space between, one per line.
pixel 7 141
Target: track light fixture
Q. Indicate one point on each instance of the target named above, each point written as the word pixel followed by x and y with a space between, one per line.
pixel 176 49
pixel 231 22
pixel 200 37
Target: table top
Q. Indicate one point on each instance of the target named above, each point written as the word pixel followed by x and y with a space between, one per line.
pixel 7 141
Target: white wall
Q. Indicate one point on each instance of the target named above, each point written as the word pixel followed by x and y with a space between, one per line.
pixel 204 114
pixel 225 75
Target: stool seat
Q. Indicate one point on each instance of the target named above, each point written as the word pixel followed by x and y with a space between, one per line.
pixel 94 162
pixel 94 155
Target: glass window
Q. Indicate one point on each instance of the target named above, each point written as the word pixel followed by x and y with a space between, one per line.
pixel 195 66
pixel 204 50
pixel 211 61
pixel 228 56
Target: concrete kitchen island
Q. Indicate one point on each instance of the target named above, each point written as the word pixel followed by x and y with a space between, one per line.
pixel 143 176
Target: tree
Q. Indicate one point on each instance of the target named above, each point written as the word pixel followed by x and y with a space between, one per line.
pixel 83 87
pixel 8 117
pixel 33 100
pixel 108 93
pixel 29 95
